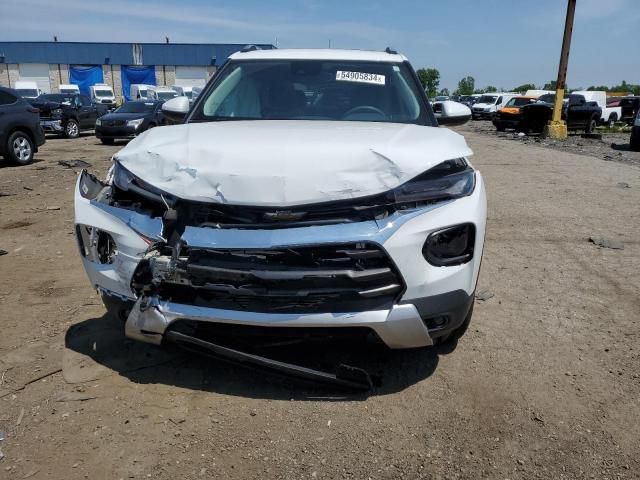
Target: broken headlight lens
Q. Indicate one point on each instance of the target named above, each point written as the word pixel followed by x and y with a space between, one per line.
pixel 446 181
pixel 124 180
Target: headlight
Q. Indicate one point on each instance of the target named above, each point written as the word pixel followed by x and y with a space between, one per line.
pixel 135 123
pixel 123 179
pixel 98 122
pixel 446 181
pixel 56 112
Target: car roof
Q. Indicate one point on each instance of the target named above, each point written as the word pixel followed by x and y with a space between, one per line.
pixel 319 54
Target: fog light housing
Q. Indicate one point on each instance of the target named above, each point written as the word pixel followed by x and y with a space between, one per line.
pixel 450 246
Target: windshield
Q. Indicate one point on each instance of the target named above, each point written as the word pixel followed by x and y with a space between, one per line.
pixel 56 97
pixel 103 93
pixel 166 95
pixel 312 90
pixel 136 107
pixel 518 102
pixel 487 99
pixel 27 92
pixel 68 90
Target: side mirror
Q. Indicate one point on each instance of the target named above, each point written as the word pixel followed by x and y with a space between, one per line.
pixel 176 109
pixel 451 113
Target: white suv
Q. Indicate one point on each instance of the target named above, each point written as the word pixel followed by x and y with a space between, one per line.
pixel 307 191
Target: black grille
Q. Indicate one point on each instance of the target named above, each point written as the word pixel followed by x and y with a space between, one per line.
pixel 336 278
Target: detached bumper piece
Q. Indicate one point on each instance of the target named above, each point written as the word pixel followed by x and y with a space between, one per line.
pixel 346 376
pixel 322 279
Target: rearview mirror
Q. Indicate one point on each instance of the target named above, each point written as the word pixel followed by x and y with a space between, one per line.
pixel 451 113
pixel 176 109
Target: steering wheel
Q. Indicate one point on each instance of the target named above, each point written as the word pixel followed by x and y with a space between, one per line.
pixel 364 109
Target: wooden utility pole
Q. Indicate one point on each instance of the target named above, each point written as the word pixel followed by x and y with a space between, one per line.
pixel 557 128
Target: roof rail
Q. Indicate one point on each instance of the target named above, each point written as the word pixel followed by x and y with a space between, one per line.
pixel 250 48
pixel 391 51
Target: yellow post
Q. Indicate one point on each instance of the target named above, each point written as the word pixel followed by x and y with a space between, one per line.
pixel 557 128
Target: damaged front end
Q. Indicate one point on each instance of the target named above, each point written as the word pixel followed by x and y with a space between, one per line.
pixel 190 272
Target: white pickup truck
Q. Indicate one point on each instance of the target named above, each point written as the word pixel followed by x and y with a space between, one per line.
pixel 610 115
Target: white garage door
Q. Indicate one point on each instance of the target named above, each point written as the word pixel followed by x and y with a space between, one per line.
pixel 35 72
pixel 191 76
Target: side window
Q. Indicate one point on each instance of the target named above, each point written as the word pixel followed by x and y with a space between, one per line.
pixel 85 101
pixel 6 98
pixel 577 100
pixel 499 101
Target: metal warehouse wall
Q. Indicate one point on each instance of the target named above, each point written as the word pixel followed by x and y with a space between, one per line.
pixel 81 53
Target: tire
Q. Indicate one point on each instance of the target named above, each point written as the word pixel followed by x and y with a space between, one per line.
pixel 591 126
pixel 20 148
pixel 107 141
pixel 71 129
pixel 117 310
pixel 453 337
pixel 613 118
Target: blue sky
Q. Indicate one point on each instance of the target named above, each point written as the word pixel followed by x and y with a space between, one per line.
pixel 499 42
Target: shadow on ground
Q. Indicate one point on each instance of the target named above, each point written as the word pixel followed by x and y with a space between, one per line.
pixel 391 370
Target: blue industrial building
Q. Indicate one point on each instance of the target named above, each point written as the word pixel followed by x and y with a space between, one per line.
pixel 50 64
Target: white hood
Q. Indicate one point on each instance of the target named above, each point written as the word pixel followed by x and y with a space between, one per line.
pixel 284 163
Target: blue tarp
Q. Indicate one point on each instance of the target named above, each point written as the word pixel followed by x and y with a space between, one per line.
pixel 132 75
pixel 85 76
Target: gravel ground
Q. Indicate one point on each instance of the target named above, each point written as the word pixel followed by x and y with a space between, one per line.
pixel 544 385
pixel 612 147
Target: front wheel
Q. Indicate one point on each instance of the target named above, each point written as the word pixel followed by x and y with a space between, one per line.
pixel 613 118
pixel 20 148
pixel 72 129
pixel 591 126
pixel 453 337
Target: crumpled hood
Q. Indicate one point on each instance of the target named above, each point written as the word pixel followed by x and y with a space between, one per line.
pixel 285 163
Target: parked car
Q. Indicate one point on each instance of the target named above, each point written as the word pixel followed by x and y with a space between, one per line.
pixel 469 100
pixel 69 88
pixel 190 92
pixel 164 93
pixel 141 91
pixel 630 106
pixel 20 130
pixel 488 104
pixel 103 94
pixel 634 141
pixel 129 120
pixel 178 89
pixel 67 114
pixel 27 89
pixel 441 98
pixel 239 227
pixel 509 116
pixel 195 91
pixel 578 113
pixel 609 115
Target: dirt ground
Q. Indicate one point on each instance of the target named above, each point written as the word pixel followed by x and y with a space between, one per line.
pixel 545 385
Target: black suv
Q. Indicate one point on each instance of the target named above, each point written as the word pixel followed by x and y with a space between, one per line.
pixel 67 114
pixel 576 112
pixel 20 131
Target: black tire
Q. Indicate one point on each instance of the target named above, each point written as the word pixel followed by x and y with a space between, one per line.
pixel 117 310
pixel 71 129
pixel 107 141
pixel 591 126
pixel 453 337
pixel 613 118
pixel 20 148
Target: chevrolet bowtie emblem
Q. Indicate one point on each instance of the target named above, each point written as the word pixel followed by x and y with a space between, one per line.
pixel 283 215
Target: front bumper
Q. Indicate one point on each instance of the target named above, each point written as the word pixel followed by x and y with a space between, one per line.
pixel 54 126
pixel 430 292
pixel 116 132
pixel 482 115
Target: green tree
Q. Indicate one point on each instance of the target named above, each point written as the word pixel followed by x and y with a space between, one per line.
pixel 430 79
pixel 490 89
pixel 550 85
pixel 524 87
pixel 444 92
pixel 466 86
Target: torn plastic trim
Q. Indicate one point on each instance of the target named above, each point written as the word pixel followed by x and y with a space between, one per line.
pixel 99 194
pixel 345 376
